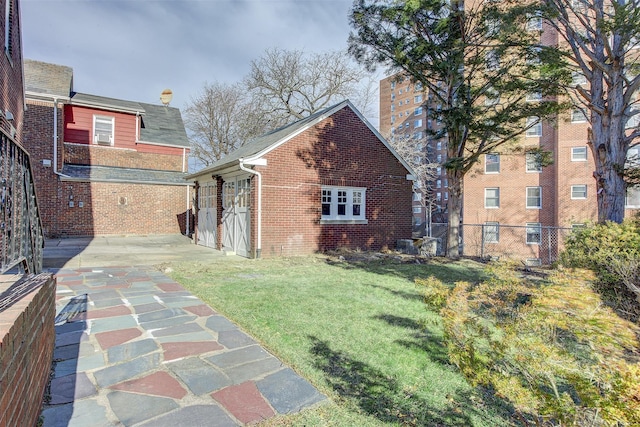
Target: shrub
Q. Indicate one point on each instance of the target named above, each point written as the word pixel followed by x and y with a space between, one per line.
pixel 550 348
pixel 612 251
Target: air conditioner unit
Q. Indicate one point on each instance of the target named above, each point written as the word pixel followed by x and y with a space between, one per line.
pixel 103 138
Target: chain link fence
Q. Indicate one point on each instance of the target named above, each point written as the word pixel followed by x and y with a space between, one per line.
pixel 531 244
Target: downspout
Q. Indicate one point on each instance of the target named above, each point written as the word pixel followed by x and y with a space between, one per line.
pixel 187 212
pixel 55 138
pixel 259 227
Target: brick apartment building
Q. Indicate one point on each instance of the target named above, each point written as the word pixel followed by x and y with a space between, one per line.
pixel 103 165
pixel 509 187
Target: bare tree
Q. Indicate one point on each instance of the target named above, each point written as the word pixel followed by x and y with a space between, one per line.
pixel 414 151
pixel 220 119
pixel 289 85
pixel 603 37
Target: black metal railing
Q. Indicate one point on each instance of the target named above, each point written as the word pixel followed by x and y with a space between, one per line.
pixel 21 235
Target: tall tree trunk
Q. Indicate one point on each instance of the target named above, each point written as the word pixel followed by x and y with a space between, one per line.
pixel 454 212
pixel 607 141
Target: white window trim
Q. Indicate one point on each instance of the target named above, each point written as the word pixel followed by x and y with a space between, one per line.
pixel 578 116
pixel 348 218
pixel 485 198
pixel 577 159
pixel 486 163
pixel 534 131
pixel 582 197
pixel 539 206
pixel 495 232
pixel 100 141
pixel 526 164
pixel 529 225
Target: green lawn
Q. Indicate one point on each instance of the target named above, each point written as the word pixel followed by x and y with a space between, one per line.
pixel 357 330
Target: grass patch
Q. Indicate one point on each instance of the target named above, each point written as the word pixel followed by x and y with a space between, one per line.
pixel 357 329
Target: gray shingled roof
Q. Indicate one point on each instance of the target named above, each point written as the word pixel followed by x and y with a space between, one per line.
pixel 113 174
pixel 47 79
pixel 163 124
pixel 105 103
pixel 265 141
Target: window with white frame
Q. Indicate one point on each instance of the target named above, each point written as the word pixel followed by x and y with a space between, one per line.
pixel 632 199
pixel 534 23
pixel 491 232
pixel 438 183
pixel 446 195
pixel 417 209
pixel 533 162
pixel 534 97
pixel 417 197
pixel 439 158
pixel 579 191
pixel 417 99
pixel 491 198
pixel 343 203
pixel 417 111
pixel 417 123
pixel 492 163
pixel 534 233
pixel 417 86
pixel 578 116
pixel 534 127
pixel 492 97
pixel 492 60
pixel 533 55
pixel 534 197
pixel 438 197
pixel 578 154
pixel 634 119
pixel 103 130
pixel 578 78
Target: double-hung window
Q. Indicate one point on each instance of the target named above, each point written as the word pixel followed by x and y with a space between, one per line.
pixel 534 197
pixel 492 198
pixel 491 232
pixel 578 154
pixel 103 130
pixel 533 162
pixel 534 233
pixel 492 163
pixel 579 191
pixel 343 204
pixel 534 127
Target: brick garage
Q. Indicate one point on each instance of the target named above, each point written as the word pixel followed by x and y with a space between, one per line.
pixel 333 151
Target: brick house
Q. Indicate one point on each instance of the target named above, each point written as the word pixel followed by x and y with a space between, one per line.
pixel 325 182
pixel 103 165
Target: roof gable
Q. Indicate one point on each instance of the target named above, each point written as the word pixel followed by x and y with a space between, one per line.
pixel 262 145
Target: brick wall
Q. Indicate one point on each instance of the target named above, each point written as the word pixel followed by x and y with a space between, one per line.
pixel 340 150
pixel 84 154
pixel 38 140
pixel 27 338
pixel 111 208
pixel 11 95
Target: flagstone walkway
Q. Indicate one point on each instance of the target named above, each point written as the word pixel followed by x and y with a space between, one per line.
pixel 134 348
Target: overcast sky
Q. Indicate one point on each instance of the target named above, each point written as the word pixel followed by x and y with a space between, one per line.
pixel 133 49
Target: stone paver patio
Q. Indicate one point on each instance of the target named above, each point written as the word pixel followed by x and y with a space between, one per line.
pixel 134 348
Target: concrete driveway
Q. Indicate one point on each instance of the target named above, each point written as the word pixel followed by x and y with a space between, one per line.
pixel 110 251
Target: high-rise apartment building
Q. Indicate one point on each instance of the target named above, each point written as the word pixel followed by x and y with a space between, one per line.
pixel 511 187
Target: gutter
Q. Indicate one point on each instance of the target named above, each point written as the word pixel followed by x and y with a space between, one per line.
pixel 256 162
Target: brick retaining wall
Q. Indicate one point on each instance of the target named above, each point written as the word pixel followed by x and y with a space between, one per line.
pixel 27 338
